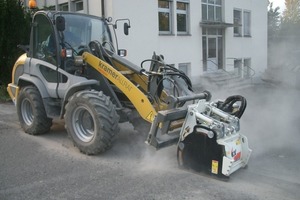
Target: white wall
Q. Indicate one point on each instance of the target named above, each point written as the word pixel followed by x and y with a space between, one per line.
pixel 144 38
pixel 254 47
pixel 144 35
pixel 260 37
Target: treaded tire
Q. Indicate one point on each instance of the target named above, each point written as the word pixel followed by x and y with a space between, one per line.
pixel 31 111
pixel 91 121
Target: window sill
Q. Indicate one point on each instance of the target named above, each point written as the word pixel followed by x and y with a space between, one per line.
pixel 166 34
pixel 237 36
pixel 247 36
pixel 184 34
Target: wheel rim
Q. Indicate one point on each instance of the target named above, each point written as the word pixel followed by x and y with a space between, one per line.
pixel 83 124
pixel 27 112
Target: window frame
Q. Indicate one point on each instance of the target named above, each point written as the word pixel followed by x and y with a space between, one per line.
pixel 62 7
pixel 76 3
pixel 186 67
pixel 237 29
pixel 169 11
pixel 185 12
pixel 216 4
pixel 247 62
pixel 238 65
pixel 77 6
pixel 247 23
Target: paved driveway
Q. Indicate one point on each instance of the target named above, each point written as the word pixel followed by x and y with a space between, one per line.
pixel 49 167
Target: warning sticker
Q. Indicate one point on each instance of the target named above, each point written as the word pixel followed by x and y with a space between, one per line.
pixel 214 166
pixel 150 116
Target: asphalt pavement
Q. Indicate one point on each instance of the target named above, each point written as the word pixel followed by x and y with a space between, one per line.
pixel 48 166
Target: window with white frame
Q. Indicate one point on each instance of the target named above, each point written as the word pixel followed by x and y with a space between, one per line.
pixel 247 23
pixel 185 68
pixel 182 11
pixel 64 7
pixel 165 16
pixel 237 20
pixel 238 66
pixel 247 67
pixel 77 6
pixel 211 10
pixel 52 7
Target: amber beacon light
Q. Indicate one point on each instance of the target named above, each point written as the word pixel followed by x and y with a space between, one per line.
pixel 32 4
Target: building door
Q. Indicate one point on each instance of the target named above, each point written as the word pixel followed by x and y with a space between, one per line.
pixel 212 54
pixel 212 43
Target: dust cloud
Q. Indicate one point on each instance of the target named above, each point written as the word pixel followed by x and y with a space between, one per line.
pixel 270 122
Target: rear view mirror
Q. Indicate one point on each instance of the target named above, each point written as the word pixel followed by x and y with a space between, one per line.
pixel 126 28
pixel 126 25
pixel 60 23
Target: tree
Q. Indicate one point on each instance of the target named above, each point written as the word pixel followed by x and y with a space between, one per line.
pixel 290 26
pixel 273 22
pixel 292 12
pixel 14 30
pixel 284 37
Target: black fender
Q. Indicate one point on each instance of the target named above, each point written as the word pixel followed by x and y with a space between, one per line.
pixel 83 85
pixel 26 79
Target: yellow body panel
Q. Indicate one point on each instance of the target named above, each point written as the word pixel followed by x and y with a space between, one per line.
pixel 136 96
pixel 137 78
pixel 12 88
pixel 142 82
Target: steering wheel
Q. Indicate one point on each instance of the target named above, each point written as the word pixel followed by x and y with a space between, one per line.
pixel 234 105
pixel 95 48
pixel 82 49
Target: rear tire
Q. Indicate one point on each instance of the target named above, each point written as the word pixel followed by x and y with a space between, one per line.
pixel 91 121
pixel 31 111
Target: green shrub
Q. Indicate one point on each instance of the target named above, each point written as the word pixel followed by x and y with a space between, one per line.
pixel 4 97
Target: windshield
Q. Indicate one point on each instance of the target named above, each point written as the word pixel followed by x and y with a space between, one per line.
pixel 81 29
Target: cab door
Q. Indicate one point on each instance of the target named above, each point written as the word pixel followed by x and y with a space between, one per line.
pixel 43 41
pixel 44 58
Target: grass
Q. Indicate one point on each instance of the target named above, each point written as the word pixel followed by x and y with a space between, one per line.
pixel 4 96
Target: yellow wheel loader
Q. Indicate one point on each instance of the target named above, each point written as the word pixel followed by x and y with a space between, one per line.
pixel 71 70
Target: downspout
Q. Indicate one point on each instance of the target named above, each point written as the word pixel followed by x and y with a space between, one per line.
pixel 103 8
pixel 87 7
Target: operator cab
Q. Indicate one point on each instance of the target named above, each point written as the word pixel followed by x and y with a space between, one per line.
pixel 59 36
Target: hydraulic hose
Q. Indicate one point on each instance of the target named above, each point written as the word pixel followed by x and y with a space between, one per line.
pixel 227 105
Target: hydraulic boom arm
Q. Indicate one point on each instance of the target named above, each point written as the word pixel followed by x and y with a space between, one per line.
pixel 136 96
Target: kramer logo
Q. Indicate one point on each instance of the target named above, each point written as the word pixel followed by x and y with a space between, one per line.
pixel 107 71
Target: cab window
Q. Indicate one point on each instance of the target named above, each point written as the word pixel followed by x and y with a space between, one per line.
pixel 44 45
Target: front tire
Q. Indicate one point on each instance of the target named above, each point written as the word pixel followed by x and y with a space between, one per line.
pixel 91 121
pixel 31 111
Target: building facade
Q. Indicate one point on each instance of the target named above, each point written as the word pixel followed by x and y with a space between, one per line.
pixel 196 36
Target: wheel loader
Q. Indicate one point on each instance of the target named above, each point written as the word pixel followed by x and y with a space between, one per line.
pixel 71 70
